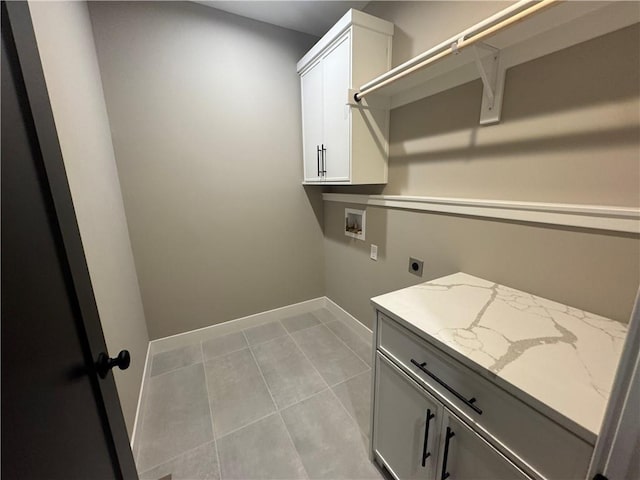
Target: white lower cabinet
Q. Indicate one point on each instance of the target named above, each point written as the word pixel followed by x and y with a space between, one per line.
pixel 406 424
pixel 416 437
pixel 466 456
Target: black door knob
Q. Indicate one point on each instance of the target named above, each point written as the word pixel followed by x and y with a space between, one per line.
pixel 104 363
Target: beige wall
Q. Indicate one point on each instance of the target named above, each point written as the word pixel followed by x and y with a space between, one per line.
pixel 205 116
pixel 419 25
pixel 65 40
pixel 594 271
pixel 570 133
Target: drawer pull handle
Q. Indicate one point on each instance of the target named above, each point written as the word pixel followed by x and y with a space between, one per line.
pixel 426 454
pixel 445 457
pixel 468 402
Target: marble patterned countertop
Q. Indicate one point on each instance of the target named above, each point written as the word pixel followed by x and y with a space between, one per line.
pixel 561 357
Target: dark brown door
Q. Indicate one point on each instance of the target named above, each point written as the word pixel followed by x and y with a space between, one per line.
pixel 59 419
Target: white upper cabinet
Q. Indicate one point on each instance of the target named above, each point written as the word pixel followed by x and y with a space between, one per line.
pixel 311 83
pixel 343 144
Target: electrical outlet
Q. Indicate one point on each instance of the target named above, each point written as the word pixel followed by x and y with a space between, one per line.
pixel 415 266
pixel 374 252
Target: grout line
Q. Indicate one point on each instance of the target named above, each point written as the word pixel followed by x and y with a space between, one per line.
pixel 264 380
pixel 293 445
pixel 342 381
pixel 265 341
pixel 176 369
pixel 320 322
pixel 277 412
pixel 259 317
pixel 299 401
pixel 235 430
pixel 205 360
pixel 327 383
pixel 309 360
pixel 347 412
pixel 175 457
pixel 345 343
pixel 303 399
pixel 350 378
pixel 213 428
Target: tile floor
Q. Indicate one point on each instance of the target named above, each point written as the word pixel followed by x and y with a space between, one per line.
pixel 284 400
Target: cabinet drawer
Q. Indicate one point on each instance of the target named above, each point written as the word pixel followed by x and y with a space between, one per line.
pixel 535 442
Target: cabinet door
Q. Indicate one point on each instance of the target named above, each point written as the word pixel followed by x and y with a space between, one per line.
pixel 406 424
pixel 336 74
pixel 311 86
pixel 464 455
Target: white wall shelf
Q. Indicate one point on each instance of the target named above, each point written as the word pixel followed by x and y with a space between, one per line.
pixel 598 217
pixel 557 26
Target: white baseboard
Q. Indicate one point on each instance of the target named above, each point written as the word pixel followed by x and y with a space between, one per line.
pixel 232 326
pixel 141 397
pixel 348 319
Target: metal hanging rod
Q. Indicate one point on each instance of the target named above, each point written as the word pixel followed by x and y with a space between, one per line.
pixel 475 34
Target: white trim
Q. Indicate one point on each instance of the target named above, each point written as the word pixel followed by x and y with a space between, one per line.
pixel 599 217
pixel 553 29
pixel 232 326
pixel 236 325
pixel 613 451
pixel 349 19
pixel 145 373
pixel 351 321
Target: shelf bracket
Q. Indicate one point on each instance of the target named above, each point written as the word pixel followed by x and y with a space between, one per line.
pixel 492 75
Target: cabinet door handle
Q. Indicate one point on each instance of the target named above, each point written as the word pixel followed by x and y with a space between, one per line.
pixel 468 402
pixel 318 157
pixel 445 457
pixel 426 454
pixel 324 160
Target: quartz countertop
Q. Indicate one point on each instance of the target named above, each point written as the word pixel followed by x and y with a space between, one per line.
pixel 559 359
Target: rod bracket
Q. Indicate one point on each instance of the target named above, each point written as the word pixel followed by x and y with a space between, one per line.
pixel 370 102
pixel 455 46
pixel 492 76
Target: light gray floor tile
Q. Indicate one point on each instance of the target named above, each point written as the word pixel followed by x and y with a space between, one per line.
pixel 263 333
pixel 177 358
pixel 289 375
pixel 355 342
pixel 262 450
pixel 238 393
pixel 328 440
pixel 222 345
pixel 299 322
pixel 324 315
pixel 355 395
pixel 200 463
pixel 176 416
pixel 334 361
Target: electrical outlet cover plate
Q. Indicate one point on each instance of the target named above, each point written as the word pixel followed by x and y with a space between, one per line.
pixel 415 266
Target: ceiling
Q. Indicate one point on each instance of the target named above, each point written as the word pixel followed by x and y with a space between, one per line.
pixel 307 16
